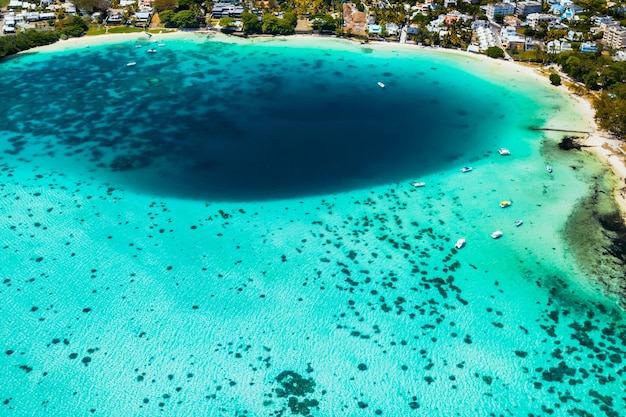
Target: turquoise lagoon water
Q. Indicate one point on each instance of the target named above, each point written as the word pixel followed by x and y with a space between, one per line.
pixel 227 228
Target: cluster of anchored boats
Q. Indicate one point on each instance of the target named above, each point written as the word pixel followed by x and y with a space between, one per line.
pixel 150 51
pixel 504 204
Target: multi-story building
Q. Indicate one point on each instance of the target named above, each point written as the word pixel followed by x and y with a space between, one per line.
pixel 615 37
pixel 588 46
pixel 534 19
pixel 502 9
pixel 527 7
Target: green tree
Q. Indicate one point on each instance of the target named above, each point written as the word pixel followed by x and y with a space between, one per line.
pixel 186 19
pixel 74 26
pixel 555 79
pixel 160 5
pixel 323 23
pixel 92 5
pixel 611 110
pixel 227 21
pixel 495 52
pixel 280 26
pixel 251 23
pixel 553 35
pixel 167 17
pixel 188 4
pixel 592 6
pixel 12 44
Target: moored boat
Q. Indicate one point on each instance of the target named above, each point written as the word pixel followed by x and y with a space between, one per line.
pixel 418 184
pixel 151 51
pixel 130 64
pixel 518 223
pixel 549 169
pixel 460 243
pixel 466 169
pixel 497 234
pixel 381 85
pixel 505 203
pixel 504 151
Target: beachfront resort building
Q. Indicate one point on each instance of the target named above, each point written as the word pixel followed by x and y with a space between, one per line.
pixel 226 10
pixel 527 7
pixel 615 37
pixel 499 9
pixel 510 39
pixel 535 19
pixel 484 37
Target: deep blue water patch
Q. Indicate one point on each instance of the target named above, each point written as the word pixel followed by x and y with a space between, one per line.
pixel 251 122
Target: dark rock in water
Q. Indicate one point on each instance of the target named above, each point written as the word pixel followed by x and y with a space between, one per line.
pixel 606 399
pixel 569 143
pixel 557 374
pixel 293 386
pixel 613 222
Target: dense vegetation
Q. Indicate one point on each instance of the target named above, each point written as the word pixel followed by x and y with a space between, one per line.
pixel 72 26
pixel 271 24
pixel 495 52
pixel 280 26
pixel 600 73
pixel 12 44
pixel 251 23
pixel 555 79
pixel 180 13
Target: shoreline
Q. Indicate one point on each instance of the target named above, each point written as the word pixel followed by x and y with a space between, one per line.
pixel 599 143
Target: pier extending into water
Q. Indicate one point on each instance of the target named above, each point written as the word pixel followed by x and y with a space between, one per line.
pixel 559 130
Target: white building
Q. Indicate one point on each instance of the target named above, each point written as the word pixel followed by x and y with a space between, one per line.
pixel 510 39
pixel 556 47
pixel 620 56
pixel 527 7
pixel 534 19
pixel 501 9
pixel 484 37
pixel 615 37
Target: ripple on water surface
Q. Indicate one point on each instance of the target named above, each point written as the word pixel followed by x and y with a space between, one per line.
pixel 250 122
pixel 117 302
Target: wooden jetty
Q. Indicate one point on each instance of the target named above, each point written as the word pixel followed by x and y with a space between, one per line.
pixel 551 129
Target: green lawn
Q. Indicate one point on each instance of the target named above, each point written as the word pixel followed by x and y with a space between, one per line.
pixel 94 31
pixel 116 29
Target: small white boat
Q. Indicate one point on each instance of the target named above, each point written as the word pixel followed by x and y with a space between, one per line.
pixel 518 223
pixel 137 46
pixel 131 64
pixel 381 85
pixel 418 184
pixel 460 243
pixel 505 203
pixel 497 234
pixel 549 169
pixel 504 151
pixel 151 51
pixel 466 169
pixel 161 44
